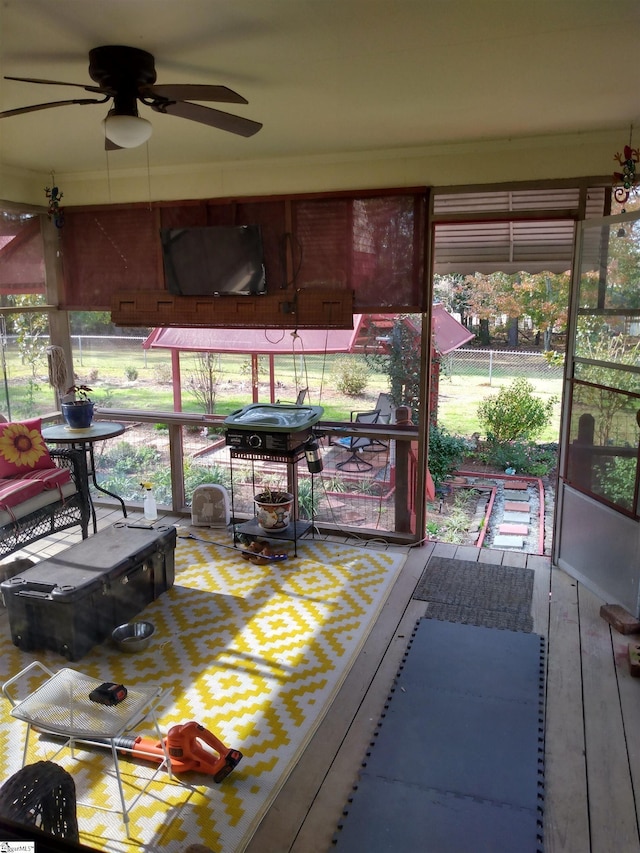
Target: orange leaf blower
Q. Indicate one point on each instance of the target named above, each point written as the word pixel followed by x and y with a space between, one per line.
pixel 184 746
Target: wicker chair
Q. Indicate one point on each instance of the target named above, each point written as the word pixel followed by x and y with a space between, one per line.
pixel 42 795
pixel 56 516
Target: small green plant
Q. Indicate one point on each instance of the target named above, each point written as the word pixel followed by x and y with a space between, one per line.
pixel 308 498
pixel 351 375
pixel 81 392
pixel 126 458
pixel 446 452
pixel 364 487
pixel 197 475
pixel 335 484
pixel 455 524
pixel 130 373
pixel 433 528
pixel 535 460
pixel 515 413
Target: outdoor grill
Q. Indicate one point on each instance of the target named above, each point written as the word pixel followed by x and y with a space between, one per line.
pixel 271 427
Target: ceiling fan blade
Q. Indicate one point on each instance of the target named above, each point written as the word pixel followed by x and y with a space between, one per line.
pixel 192 92
pixel 59 83
pixel 214 118
pixel 34 107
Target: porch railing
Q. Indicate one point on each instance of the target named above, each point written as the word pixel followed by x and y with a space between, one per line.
pixel 376 502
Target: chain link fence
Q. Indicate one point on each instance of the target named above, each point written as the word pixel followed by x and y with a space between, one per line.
pixel 496 366
pixel 468 376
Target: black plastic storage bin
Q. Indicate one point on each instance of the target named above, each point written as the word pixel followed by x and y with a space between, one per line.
pixel 74 600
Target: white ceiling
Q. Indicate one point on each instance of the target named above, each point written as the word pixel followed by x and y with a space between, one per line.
pixel 326 77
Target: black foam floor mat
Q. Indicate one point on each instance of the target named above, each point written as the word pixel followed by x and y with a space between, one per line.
pixel 456 765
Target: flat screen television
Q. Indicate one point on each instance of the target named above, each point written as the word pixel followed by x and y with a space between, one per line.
pixel 214 260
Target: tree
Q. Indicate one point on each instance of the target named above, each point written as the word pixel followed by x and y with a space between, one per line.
pixel 454 291
pixel 606 395
pixel 491 296
pixel 402 362
pixel 204 380
pixel 405 365
pixel 31 329
pixel 545 299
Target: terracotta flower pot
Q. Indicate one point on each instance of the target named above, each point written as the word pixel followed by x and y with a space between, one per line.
pixel 273 510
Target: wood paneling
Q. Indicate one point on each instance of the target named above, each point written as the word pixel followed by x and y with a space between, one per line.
pixel 318 308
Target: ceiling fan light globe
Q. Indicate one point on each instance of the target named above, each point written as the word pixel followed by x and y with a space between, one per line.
pixel 127 131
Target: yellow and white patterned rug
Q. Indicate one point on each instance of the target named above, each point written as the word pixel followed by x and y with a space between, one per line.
pixel 254 653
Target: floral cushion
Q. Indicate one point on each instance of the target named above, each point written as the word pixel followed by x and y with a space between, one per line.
pixel 22 448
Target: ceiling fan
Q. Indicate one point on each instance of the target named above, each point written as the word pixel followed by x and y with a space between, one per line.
pixel 128 75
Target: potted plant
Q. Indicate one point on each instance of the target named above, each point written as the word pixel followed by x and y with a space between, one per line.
pixel 273 509
pixel 78 412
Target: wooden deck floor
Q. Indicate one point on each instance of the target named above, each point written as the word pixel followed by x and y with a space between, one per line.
pixel 592 745
pixel 592 742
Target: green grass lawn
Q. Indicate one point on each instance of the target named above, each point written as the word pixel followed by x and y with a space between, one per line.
pixel 108 367
pixel 460 396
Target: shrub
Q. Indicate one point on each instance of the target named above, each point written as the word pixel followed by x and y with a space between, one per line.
pixel 446 451
pixel 616 481
pixel 197 475
pixel 515 413
pixel 536 460
pixel 131 373
pixel 126 458
pixel 351 376
pixel 162 373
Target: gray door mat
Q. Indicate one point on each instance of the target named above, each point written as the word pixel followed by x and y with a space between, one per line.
pixel 456 764
pixel 477 593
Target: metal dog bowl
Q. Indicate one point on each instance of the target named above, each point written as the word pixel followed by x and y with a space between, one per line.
pixel 133 637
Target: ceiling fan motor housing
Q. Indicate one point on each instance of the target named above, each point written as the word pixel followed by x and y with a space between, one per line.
pixel 118 68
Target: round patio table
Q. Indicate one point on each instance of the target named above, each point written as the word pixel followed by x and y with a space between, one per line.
pixel 84 439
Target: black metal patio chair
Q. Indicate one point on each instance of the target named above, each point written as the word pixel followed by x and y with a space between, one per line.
pixel 355 444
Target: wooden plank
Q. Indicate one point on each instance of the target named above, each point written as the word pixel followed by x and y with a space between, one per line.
pixel 514 558
pixel 491 557
pixel 536 561
pixel 629 688
pixel 541 595
pixel 566 818
pixel 312 308
pixel 612 813
pixel 467 552
pixel 444 549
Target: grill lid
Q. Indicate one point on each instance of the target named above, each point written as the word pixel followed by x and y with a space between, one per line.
pixel 274 417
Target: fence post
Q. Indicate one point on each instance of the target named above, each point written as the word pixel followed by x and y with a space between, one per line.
pixel 490 365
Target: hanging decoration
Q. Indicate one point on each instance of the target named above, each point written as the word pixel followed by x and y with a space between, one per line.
pixel 54 210
pixel 626 179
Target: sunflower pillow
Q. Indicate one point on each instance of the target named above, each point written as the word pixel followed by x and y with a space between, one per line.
pixel 22 448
